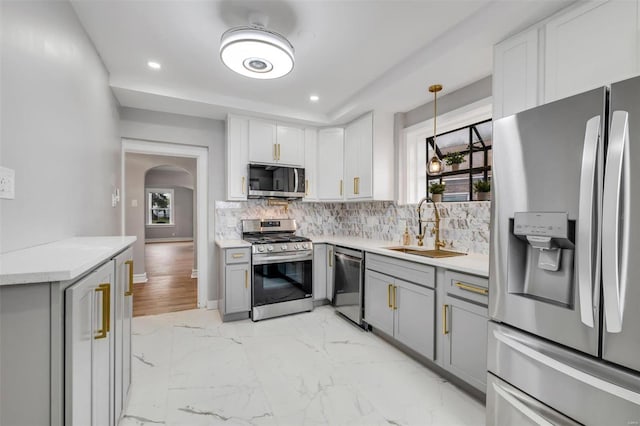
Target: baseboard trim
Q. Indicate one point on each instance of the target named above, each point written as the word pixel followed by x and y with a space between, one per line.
pixel 212 304
pixel 194 273
pixel 167 240
pixel 140 278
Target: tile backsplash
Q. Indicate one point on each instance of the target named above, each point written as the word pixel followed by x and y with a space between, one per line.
pixel 464 226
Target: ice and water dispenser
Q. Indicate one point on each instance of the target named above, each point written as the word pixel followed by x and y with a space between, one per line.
pixel 541 257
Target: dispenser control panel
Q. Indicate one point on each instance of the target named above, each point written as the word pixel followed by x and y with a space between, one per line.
pixel 542 224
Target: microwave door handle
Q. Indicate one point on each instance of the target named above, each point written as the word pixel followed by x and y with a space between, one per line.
pixel 587 226
pixel 296 180
pixel 615 241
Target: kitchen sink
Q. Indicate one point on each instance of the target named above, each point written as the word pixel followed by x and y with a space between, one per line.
pixel 426 253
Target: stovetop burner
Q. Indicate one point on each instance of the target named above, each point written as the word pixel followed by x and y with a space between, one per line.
pixel 274 236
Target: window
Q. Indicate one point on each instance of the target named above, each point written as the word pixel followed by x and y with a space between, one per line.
pixel 472 146
pixel 160 207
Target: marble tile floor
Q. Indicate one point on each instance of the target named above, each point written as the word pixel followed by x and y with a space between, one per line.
pixel 314 368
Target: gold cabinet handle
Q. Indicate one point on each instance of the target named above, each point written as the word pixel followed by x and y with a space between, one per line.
pixel 355 187
pixel 105 289
pixel 275 151
pixel 278 152
pixel 306 187
pixel 472 288
pixel 358 185
pixel 246 279
pixel 395 298
pixel 330 258
pixel 243 181
pixel 341 188
pixel 389 286
pixel 129 291
pixel 444 319
pixel 237 255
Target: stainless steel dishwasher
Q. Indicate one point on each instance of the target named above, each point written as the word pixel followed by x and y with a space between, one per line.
pixel 348 283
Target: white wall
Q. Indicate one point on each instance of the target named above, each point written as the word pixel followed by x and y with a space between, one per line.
pixel 180 129
pixel 58 128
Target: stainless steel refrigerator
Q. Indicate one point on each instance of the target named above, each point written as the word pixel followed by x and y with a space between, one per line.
pixel 564 336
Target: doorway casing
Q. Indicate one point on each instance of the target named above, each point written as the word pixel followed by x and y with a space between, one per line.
pixel 135 146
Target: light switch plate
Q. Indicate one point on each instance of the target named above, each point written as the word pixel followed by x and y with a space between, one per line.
pixel 7 183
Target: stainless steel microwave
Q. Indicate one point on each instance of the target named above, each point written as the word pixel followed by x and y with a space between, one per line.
pixel 267 181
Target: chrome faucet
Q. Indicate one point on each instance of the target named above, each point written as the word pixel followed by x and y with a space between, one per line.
pixel 436 228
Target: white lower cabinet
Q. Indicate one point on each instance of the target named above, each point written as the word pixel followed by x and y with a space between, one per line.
pixel 330 276
pixel 123 296
pixel 402 310
pixel 238 296
pixel 464 327
pixel 320 267
pixel 89 342
pixel 234 266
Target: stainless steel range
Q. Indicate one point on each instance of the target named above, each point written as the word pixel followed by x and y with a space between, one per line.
pixel 282 264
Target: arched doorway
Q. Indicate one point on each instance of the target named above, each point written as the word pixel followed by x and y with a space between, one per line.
pixel 170 261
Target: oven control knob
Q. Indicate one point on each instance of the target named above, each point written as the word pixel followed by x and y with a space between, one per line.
pixel 284 247
pixel 260 249
pixel 305 246
pixel 297 246
pixel 270 248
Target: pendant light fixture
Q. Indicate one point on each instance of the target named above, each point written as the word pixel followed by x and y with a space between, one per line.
pixel 435 164
pixel 254 51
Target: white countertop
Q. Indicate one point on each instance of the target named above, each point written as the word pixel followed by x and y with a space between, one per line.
pixel 476 264
pixel 59 261
pixel 232 243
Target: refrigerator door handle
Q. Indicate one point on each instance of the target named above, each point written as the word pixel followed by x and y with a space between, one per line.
pixel 587 265
pixel 615 215
pixel 548 360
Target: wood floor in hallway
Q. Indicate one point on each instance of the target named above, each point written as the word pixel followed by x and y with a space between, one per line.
pixel 169 287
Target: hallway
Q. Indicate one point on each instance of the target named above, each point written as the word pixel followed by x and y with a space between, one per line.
pixel 169 287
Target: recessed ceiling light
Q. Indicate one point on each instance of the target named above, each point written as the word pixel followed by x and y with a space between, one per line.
pixel 256 52
pixel 154 65
pixel 314 98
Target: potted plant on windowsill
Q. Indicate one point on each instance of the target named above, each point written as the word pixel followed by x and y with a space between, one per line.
pixel 454 159
pixel 483 189
pixel 436 190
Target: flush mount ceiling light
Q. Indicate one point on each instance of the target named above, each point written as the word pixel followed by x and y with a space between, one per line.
pixel 314 98
pixel 256 52
pixel 154 65
pixel 435 164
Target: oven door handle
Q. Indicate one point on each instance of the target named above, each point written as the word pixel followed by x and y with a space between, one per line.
pixel 281 258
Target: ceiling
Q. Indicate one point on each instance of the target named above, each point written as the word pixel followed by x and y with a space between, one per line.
pixel 356 55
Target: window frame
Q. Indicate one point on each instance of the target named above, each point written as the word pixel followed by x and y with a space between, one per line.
pixel 172 207
pixel 472 170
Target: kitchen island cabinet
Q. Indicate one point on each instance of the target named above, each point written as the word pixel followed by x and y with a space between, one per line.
pixel 58 338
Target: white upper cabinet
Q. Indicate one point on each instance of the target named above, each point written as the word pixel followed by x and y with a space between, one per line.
pixel 237 157
pixel 587 45
pixel 310 164
pixel 590 46
pixel 274 143
pixel 515 74
pixel 330 160
pixel 290 145
pixel 262 141
pixel 358 158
